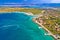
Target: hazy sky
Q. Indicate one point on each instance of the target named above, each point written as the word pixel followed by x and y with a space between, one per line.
pixel 50 1
pixel 55 1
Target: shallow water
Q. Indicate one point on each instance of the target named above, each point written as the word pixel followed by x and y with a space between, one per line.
pixel 19 26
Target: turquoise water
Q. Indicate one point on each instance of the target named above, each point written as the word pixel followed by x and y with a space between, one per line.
pixel 19 26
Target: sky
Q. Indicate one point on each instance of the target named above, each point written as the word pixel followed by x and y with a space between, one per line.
pixel 29 1
pixel 55 1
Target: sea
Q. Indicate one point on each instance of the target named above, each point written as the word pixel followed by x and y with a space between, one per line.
pixel 20 26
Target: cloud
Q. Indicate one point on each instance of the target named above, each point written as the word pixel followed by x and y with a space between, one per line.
pixel 55 1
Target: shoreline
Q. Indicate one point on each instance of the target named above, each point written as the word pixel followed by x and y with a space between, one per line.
pixel 27 13
pixel 45 29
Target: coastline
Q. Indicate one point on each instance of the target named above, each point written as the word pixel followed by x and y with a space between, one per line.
pixel 45 29
pixel 27 10
pixel 27 13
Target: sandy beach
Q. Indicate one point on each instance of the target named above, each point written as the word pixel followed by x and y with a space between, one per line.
pixel 45 29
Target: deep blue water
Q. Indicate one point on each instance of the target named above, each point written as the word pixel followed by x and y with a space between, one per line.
pixel 19 26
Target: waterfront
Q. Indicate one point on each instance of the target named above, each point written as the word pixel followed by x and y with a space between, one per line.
pixel 19 26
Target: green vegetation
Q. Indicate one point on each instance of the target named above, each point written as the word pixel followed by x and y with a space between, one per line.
pixel 51 20
pixel 28 10
pixel 52 23
pixel 32 10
